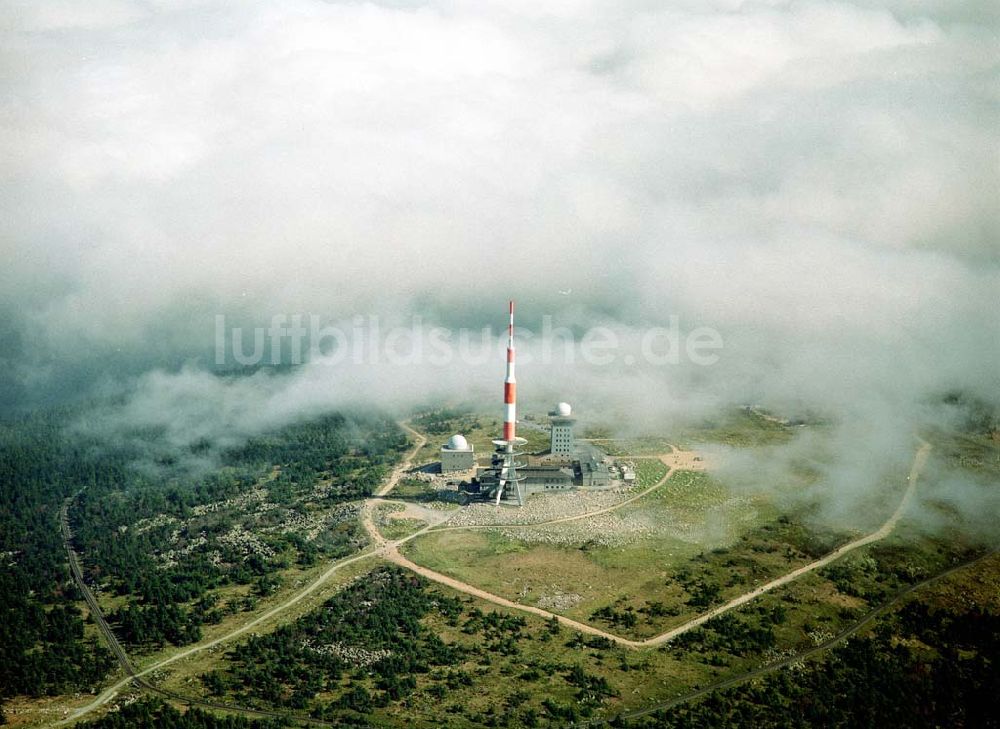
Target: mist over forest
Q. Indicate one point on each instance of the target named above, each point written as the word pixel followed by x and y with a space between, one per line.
pixel 814 182
pixel 261 459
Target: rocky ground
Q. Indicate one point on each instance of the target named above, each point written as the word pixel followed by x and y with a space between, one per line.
pixel 539 508
pixel 626 526
pixel 605 530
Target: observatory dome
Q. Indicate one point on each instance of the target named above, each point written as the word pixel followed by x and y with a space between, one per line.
pixel 563 409
pixel 457 443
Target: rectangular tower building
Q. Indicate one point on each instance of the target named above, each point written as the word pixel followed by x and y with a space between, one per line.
pixel 561 441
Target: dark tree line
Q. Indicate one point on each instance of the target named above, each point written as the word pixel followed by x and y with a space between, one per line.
pixel 155 714
pixel 117 482
pixel 374 623
pixel 355 451
pixel 734 633
pixel 923 667
pixel 42 648
pixel 446 421
pixel 352 453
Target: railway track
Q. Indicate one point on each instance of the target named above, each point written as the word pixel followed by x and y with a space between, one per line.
pixel 95 609
pixel 136 679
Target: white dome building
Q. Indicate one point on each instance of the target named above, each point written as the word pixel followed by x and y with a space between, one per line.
pixel 457 455
pixel 457 443
pixel 564 410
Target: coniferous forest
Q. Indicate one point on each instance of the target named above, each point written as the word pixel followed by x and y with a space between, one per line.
pixel 161 530
pixel 161 535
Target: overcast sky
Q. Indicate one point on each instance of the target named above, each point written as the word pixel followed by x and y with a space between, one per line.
pixel 817 181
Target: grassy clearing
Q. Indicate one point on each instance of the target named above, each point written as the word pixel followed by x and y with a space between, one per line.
pixel 648 472
pixel 637 590
pixel 395 527
pixel 644 446
pixel 697 508
pixel 519 672
pixel 690 491
pixel 739 429
pixel 709 547
pixel 526 676
pixel 790 619
pixel 700 578
pixel 977 453
pixel 399 528
pixel 412 489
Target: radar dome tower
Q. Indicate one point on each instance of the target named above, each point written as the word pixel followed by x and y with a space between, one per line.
pixel 561 441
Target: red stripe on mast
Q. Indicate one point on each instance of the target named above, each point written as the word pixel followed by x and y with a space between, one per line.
pixel 509 386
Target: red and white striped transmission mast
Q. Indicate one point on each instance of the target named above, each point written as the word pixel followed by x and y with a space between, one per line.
pixel 507 445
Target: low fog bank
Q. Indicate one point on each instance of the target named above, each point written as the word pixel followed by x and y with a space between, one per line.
pixel 814 182
pixel 845 465
pixel 851 474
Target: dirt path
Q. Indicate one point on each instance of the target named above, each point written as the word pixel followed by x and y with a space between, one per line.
pixel 419 512
pixel 881 533
pixel 392 554
pixel 368 506
pixel 406 464
pixel 110 692
pixel 390 550
pixel 804 655
pixel 390 483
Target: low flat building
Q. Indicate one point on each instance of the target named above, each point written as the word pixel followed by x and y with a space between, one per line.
pixel 546 478
pixel 593 474
pixel 533 480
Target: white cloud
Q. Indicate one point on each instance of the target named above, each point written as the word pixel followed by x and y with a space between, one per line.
pixel 815 179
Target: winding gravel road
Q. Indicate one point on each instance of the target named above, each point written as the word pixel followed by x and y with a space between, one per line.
pixel 389 550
